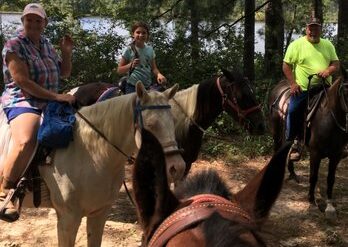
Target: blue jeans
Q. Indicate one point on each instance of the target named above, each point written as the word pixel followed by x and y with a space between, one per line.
pixel 295 117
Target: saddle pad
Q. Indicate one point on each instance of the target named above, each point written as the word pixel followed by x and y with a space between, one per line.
pixel 109 93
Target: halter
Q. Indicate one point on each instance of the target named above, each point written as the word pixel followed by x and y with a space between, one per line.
pixel 242 114
pixel 138 109
pixel 169 148
pixel 199 208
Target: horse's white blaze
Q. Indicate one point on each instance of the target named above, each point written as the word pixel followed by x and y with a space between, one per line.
pixel 85 177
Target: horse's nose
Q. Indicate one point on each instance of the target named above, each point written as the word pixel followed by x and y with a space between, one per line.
pixel 175 167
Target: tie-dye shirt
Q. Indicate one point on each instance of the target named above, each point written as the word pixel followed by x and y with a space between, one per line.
pixel 44 69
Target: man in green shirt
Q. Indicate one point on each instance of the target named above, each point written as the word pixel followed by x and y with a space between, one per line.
pixel 306 56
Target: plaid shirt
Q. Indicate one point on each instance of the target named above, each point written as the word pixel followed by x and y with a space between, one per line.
pixel 44 69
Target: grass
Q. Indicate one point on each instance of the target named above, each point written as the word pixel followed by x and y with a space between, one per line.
pixel 237 147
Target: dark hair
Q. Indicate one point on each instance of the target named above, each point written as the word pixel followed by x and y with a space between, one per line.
pixel 140 24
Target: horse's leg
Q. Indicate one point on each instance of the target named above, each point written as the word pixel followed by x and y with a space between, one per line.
pixel 68 225
pixel 95 227
pixel 277 130
pixel 330 211
pixel 313 174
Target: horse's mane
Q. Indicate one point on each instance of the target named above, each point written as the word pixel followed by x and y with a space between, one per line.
pixel 217 230
pixel 205 182
pixel 118 107
pixel 203 97
pixel 187 99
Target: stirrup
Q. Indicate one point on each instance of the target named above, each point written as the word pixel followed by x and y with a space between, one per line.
pixel 3 214
pixel 15 196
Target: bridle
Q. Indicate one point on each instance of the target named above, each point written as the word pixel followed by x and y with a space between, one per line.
pixel 197 209
pixel 233 104
pixel 169 148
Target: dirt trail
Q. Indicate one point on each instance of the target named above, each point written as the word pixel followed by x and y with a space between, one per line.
pixel 292 223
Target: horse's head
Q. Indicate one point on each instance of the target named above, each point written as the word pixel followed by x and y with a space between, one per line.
pixel 239 101
pixel 343 90
pixel 202 212
pixel 152 112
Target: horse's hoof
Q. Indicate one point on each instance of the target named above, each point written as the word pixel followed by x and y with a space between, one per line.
pixel 293 176
pixel 330 215
pixel 330 212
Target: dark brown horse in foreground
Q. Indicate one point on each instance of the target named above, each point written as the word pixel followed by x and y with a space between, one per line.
pixel 202 211
pixel 196 108
pixel 326 135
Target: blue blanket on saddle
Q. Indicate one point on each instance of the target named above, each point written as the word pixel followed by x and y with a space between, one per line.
pixel 56 130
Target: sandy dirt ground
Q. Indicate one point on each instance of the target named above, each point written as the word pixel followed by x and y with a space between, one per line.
pixel 293 221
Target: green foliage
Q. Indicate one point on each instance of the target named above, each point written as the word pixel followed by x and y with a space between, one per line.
pixel 96 53
pixel 237 148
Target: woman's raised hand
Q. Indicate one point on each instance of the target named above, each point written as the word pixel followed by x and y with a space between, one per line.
pixel 66 45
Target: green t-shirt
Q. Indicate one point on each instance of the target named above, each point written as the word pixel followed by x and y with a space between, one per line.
pixel 307 58
pixel 143 72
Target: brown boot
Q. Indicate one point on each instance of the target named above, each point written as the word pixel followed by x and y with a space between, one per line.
pixel 8 211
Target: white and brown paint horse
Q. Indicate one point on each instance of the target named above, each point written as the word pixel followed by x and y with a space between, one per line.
pixel 84 178
pixel 201 211
pixel 196 108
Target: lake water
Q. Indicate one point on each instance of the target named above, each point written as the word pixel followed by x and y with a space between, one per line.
pixel 10 22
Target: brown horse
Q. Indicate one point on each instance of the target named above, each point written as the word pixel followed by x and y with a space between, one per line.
pixel 196 108
pixel 202 211
pixel 326 135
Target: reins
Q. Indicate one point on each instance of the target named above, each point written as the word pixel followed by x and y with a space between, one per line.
pixel 137 116
pixel 130 159
pixel 324 81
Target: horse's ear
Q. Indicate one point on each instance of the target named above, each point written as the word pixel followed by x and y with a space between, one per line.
pixel 228 74
pixel 170 92
pixel 259 195
pixel 141 91
pixel 153 197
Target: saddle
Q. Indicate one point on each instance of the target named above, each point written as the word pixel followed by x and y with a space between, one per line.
pixel 281 104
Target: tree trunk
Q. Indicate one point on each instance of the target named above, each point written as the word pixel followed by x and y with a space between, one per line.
pixel 249 37
pixel 342 32
pixel 194 38
pixel 317 8
pixel 274 40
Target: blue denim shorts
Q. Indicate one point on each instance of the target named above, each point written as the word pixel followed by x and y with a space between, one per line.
pixel 13 112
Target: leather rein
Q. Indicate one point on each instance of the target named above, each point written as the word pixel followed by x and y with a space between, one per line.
pixel 198 208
